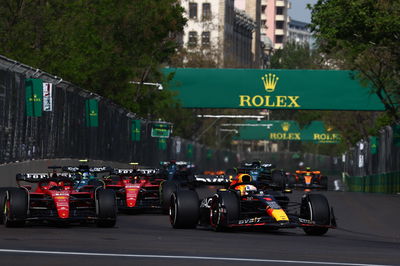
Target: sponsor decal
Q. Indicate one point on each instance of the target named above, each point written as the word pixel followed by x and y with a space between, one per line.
pixel 250 220
pixel 270 82
pixel 305 221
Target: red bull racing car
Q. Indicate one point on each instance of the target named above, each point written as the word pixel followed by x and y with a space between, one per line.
pixel 243 204
pixel 56 199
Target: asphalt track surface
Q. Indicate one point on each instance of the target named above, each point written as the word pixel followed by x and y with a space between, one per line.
pixel 368 234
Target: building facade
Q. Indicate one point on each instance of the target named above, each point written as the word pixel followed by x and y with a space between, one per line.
pixel 274 22
pixel 217 29
pixel 299 33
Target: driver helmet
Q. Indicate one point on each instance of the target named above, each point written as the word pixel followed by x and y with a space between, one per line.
pixel 85 175
pixel 246 189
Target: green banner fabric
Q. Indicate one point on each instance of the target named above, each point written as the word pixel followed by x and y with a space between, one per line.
pixel 209 154
pixel 276 130
pixel 373 144
pixel 162 144
pixel 34 97
pixel 396 135
pixel 161 130
pixel 92 113
pixel 190 150
pixel 270 89
pixel 380 183
pixel 135 130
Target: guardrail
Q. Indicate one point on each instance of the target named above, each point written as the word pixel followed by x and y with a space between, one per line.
pixel 64 133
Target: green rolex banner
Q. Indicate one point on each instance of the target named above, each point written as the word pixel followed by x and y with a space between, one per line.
pixel 276 130
pixel 135 130
pixel 92 113
pixel 373 144
pixel 162 144
pixel 396 135
pixel 190 150
pixel 34 97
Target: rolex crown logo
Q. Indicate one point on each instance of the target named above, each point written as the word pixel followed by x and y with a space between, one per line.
pixel 285 126
pixel 270 81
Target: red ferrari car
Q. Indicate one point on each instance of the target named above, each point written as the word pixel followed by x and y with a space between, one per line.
pixel 135 189
pixel 56 200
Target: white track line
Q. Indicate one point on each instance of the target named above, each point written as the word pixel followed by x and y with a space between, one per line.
pixel 179 257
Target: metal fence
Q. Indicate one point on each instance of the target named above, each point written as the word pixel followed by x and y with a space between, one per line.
pixel 373 165
pixel 62 133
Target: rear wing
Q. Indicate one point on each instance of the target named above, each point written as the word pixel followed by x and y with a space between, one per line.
pixel 143 171
pixel 305 172
pixel 212 179
pixel 37 177
pixel 84 168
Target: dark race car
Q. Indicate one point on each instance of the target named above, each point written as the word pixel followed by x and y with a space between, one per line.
pixel 244 205
pixel 265 173
pixel 136 189
pixel 308 179
pixel 55 199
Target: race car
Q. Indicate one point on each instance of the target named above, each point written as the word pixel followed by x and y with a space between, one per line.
pixel 56 200
pixel 244 205
pixel 136 189
pixel 308 179
pixel 265 173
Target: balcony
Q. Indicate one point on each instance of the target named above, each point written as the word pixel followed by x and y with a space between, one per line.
pixel 279 18
pixel 280 3
pixel 279 32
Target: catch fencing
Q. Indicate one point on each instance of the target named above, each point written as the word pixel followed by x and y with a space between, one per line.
pixel 63 132
pixel 373 165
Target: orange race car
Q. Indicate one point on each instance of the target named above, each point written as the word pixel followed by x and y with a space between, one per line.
pixel 309 179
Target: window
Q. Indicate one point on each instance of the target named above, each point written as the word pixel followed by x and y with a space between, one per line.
pixel 263 8
pixel 193 10
pixel 206 11
pixel 263 23
pixel 192 39
pixel 279 39
pixel 205 38
pixel 279 24
pixel 279 10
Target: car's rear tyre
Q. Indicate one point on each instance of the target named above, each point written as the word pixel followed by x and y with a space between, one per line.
pixel 315 207
pixel 184 209
pixel 15 207
pixel 166 190
pixel 3 191
pixel 230 202
pixel 106 208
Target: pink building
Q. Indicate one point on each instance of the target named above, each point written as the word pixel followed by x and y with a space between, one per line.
pixel 274 21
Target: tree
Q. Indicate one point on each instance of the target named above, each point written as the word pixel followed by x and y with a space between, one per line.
pixel 363 35
pixel 99 45
pixel 296 56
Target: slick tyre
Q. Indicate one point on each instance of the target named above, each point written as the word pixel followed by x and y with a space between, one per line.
pixel 106 208
pixel 230 202
pixel 315 207
pixel 3 195
pixel 184 209
pixel 167 189
pixel 15 207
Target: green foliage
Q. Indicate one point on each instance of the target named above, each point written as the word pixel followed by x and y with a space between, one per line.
pixel 363 35
pixel 99 45
pixel 296 56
